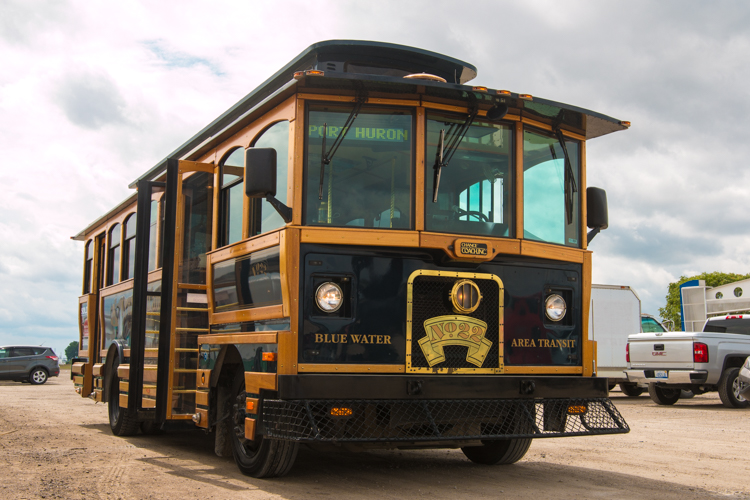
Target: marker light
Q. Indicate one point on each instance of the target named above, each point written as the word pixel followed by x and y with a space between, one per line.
pixel 479 89
pixel 627 352
pixel 341 412
pixel 700 352
pixel 329 297
pixel 577 409
pixel 503 92
pixel 555 307
pixel 269 356
pixel 525 97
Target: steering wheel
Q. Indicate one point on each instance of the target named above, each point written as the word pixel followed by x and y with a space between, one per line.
pixel 472 213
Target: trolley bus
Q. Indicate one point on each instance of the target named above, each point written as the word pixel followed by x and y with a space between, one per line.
pixel 365 251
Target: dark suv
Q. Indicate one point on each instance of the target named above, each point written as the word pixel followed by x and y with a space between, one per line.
pixel 28 364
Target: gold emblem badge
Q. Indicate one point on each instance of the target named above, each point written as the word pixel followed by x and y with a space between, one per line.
pixel 465 296
pixel 455 330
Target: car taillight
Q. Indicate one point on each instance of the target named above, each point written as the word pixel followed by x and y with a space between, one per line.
pixel 700 352
pixel 627 352
pixel 53 358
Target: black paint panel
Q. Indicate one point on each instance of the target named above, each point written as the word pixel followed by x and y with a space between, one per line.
pixel 376 295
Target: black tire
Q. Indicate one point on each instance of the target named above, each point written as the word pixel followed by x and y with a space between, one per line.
pixel 260 458
pixel 631 389
pixel 119 421
pixel 663 396
pixel 501 452
pixel 729 389
pixel 38 376
pixel 610 387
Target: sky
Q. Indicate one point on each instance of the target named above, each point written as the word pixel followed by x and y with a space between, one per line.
pixel 93 94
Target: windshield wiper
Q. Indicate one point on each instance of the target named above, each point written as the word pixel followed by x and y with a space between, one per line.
pixel 326 157
pixel 570 180
pixel 455 136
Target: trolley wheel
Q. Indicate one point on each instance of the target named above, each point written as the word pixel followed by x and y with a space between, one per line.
pixel 503 452
pixel 663 395
pixel 119 421
pixel 259 457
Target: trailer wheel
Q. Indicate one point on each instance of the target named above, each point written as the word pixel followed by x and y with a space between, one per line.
pixel 729 389
pixel 663 396
pixel 258 457
pixel 502 452
pixel 631 389
pixel 119 421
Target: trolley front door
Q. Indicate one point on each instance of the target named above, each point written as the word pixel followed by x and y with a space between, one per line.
pixel 185 284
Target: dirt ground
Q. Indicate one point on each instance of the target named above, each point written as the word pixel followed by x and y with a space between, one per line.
pixel 54 444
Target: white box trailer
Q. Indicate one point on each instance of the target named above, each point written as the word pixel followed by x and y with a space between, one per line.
pixel 615 313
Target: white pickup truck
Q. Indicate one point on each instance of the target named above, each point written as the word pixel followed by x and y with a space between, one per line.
pixel 668 362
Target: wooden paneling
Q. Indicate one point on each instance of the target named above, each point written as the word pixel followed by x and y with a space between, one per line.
pixel 203 379
pixel 294 192
pixel 201 398
pixel 251 405
pixel 287 351
pixel 254 314
pixel 123 371
pixel 588 351
pixel 239 338
pixel 518 195
pixel 447 242
pixel 250 428
pixel 123 400
pixel 549 251
pixel 371 237
pixel 419 174
pixel 78 368
pixel 582 190
pixel 245 247
pixel 255 381
pixel 203 423
pixel 331 368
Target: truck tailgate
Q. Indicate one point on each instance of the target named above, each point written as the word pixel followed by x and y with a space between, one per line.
pixel 671 350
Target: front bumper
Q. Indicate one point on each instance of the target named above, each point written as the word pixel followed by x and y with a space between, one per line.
pixel 673 376
pixel 415 421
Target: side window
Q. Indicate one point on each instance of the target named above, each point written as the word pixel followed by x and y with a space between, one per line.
pixel 113 257
pixel 4 353
pixel 88 267
pixel 22 351
pixel 264 217
pixel 128 248
pixel 231 195
pixel 155 233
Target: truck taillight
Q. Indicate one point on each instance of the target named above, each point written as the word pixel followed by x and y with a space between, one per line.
pixel 700 352
pixel 627 352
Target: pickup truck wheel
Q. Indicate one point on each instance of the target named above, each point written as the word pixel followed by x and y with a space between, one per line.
pixel 631 389
pixel 663 396
pixel 729 389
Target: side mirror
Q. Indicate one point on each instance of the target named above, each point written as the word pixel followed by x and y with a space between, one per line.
pixel 260 172
pixel 597 214
pixel 260 179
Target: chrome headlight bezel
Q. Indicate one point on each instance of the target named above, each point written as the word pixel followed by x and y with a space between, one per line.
pixel 555 307
pixel 325 301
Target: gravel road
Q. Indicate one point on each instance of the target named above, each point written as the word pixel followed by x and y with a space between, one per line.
pixel 54 444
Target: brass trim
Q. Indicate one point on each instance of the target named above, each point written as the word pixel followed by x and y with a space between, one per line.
pixel 409 332
pixel 457 306
pixel 239 338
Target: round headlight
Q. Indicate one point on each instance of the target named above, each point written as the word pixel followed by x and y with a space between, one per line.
pixel 555 307
pixel 329 297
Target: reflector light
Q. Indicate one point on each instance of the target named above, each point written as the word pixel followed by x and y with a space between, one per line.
pixel 269 356
pixel 298 74
pixel 700 352
pixel 479 89
pixel 503 92
pixel 250 405
pixel 526 97
pixel 341 412
pixel 625 124
pixel 627 352
pixel 577 409
pixel 314 72
pixel 738 316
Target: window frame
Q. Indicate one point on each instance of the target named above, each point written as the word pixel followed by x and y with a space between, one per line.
pixel 412 110
pixel 113 248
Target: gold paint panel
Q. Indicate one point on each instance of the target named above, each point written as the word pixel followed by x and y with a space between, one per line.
pixel 250 428
pixel 254 381
pixel 409 311
pixel 123 400
pixel 201 398
pixel 371 237
pixel 239 338
pixel 203 379
pixel 123 371
pixel 204 418
pixel 97 370
pixel 553 252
